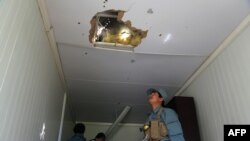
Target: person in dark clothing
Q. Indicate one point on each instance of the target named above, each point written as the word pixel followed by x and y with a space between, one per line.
pixel 79 130
pixel 99 137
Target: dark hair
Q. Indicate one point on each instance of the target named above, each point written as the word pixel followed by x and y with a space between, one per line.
pixel 79 128
pixel 100 136
pixel 160 96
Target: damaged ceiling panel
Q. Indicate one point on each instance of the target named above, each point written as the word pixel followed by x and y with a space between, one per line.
pixel 181 34
pixel 109 31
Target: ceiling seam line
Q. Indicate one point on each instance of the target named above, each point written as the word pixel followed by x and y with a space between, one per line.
pixel 132 83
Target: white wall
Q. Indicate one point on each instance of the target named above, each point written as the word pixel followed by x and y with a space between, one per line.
pixel 68 124
pixel 124 132
pixel 30 89
pixel 222 91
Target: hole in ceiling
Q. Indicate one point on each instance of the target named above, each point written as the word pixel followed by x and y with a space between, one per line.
pixel 104 2
pixel 109 31
pixel 150 11
pixel 84 53
pixel 132 60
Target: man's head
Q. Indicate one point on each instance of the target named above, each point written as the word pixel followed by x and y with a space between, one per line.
pixel 79 128
pixel 157 96
pixel 100 137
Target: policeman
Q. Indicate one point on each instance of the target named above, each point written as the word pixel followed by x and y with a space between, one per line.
pixel 163 123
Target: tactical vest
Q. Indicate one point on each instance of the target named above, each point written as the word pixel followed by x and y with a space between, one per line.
pixel 155 130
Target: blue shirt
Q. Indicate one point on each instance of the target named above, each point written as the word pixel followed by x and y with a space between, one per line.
pixel 170 118
pixel 77 137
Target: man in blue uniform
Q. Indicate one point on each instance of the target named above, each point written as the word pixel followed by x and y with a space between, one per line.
pixel 157 99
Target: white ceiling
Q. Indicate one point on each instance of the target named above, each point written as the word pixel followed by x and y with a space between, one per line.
pixel 102 82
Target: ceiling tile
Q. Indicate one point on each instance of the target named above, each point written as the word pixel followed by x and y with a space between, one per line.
pixel 101 65
pixel 103 92
pixel 195 28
